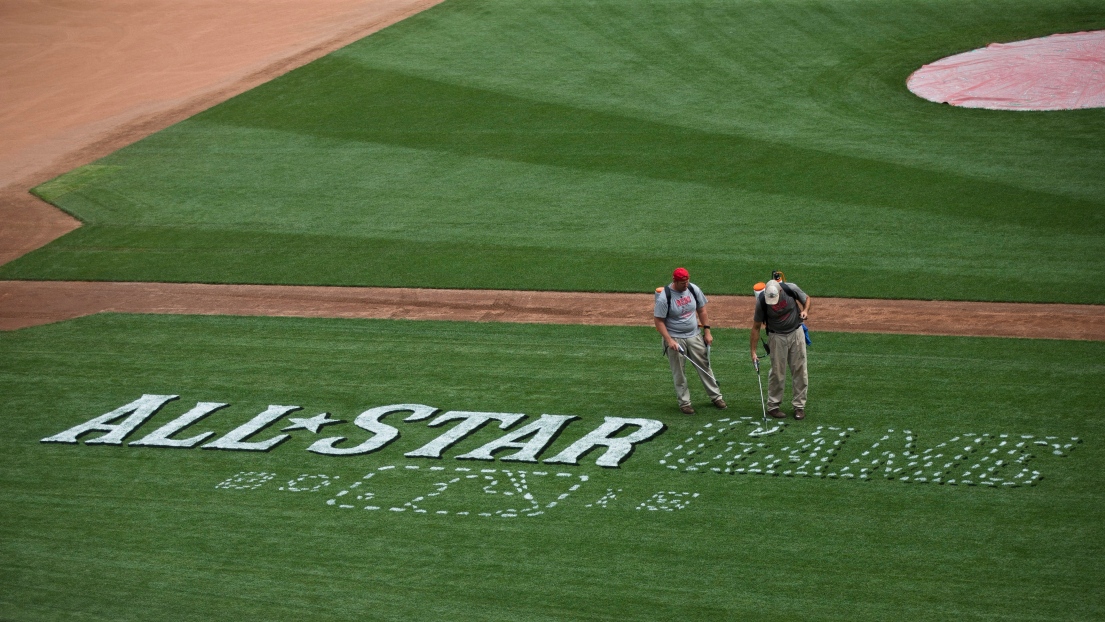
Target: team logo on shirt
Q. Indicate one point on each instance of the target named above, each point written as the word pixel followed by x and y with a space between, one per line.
pixel 682 302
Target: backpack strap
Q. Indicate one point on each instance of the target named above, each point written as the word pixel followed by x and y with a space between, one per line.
pixel 762 300
pixel 697 293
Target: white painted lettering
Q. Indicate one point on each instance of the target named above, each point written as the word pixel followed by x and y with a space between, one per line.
pixel 618 449
pixel 471 421
pixel 544 431
pixel 370 420
pixel 160 436
pixel 139 410
pixel 235 439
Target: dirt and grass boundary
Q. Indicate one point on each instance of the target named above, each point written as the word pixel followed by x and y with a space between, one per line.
pixel 58 138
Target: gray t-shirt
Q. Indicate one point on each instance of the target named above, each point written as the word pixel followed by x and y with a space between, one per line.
pixel 784 316
pixel 681 316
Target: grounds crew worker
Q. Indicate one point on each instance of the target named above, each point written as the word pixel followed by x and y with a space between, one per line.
pixel 678 311
pixel 783 307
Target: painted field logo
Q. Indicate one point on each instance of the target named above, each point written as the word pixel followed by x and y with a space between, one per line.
pixel 529 440
pixel 834 452
pixel 463 491
pixel 536 486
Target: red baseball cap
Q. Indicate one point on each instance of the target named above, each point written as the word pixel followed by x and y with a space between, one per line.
pixel 680 274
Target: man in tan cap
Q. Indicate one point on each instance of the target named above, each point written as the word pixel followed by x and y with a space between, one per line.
pixel 679 310
pixel 782 307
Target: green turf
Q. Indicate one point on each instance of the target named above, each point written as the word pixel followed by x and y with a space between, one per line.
pixel 594 145
pixel 119 533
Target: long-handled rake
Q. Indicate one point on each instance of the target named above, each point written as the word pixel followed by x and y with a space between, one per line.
pixel 697 366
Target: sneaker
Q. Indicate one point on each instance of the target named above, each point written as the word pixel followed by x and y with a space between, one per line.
pixel 720 404
pixel 776 413
pixel 687 409
pixel 799 413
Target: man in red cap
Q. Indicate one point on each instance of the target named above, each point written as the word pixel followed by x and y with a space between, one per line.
pixel 678 312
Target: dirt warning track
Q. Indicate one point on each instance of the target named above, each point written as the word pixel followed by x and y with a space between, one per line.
pixel 84 79
pixel 30 303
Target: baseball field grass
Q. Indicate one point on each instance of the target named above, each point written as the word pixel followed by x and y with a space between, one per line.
pixel 823 520
pixel 574 145
pixel 584 145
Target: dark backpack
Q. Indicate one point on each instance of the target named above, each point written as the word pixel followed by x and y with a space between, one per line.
pixel 763 311
pixel 763 300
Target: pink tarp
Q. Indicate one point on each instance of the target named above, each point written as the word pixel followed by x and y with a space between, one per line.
pixel 1060 72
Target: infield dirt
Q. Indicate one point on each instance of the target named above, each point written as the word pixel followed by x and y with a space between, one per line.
pixel 84 80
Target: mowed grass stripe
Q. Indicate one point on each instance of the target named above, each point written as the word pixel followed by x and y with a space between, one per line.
pixel 591 146
pixel 128 532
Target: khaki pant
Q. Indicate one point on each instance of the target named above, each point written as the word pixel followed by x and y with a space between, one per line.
pixel 789 349
pixel 695 347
